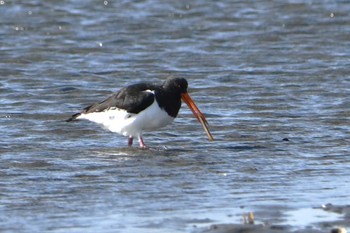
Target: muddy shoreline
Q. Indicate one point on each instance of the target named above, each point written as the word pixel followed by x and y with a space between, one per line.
pixel 274 220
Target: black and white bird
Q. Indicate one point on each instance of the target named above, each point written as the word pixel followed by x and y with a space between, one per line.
pixel 142 107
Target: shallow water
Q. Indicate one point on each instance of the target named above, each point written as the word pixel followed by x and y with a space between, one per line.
pixel 271 78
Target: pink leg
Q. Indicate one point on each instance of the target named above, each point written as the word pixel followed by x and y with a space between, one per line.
pixel 130 140
pixel 142 144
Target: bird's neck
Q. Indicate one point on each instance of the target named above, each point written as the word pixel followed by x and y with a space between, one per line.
pixel 169 101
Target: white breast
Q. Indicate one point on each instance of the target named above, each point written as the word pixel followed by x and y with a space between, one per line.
pixel 128 124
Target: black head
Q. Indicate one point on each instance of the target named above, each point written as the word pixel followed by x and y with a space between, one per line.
pixel 178 85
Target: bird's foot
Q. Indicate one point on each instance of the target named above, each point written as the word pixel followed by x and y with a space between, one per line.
pixel 130 140
pixel 142 144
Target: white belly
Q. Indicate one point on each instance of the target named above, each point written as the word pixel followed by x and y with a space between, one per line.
pixel 128 124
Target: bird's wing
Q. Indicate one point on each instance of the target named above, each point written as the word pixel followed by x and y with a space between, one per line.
pixel 133 99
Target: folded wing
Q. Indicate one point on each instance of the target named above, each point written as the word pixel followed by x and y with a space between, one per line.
pixel 132 99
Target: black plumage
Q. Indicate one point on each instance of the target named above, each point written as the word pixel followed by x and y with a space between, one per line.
pixel 137 97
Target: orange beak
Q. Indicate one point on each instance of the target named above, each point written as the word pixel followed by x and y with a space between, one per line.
pixel 200 117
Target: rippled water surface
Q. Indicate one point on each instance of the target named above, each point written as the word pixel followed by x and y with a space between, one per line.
pixel 272 78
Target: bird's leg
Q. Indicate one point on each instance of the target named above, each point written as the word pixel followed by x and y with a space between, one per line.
pixel 142 144
pixel 130 140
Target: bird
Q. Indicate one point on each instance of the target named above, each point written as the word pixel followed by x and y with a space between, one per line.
pixel 140 107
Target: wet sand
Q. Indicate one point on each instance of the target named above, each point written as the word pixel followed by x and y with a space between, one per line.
pixel 271 220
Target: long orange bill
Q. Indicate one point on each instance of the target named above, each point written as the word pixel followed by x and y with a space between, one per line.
pixel 200 117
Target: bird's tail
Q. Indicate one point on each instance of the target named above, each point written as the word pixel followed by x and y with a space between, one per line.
pixel 73 117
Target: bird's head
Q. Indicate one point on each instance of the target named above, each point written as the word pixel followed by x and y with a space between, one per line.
pixel 178 85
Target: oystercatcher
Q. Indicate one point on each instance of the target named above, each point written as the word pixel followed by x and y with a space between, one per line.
pixel 142 107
